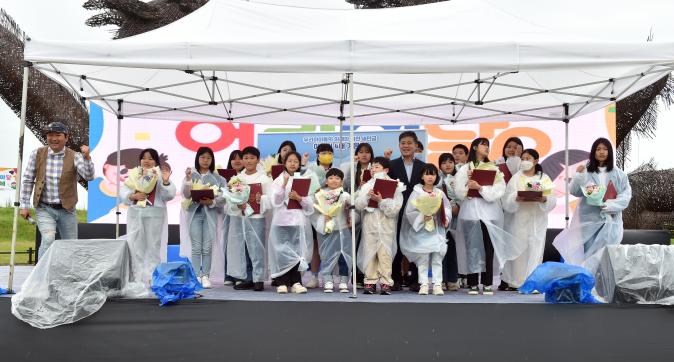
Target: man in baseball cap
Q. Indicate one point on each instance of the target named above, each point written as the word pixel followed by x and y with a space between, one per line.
pixel 52 173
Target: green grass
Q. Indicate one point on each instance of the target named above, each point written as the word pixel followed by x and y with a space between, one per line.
pixel 25 237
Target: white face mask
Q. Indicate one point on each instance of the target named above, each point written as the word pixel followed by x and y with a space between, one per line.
pixel 526 165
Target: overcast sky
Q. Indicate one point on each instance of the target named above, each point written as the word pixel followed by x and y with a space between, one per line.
pixel 65 20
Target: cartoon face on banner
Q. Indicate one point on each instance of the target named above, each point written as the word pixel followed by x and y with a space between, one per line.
pixel 7 178
pixel 177 142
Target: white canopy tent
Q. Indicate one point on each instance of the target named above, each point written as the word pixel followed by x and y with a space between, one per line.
pixel 451 62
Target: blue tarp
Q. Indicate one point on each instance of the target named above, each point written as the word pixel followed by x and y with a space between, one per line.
pixel 561 283
pixel 3 291
pixel 174 281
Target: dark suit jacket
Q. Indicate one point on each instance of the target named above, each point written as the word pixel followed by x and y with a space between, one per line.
pixel 397 171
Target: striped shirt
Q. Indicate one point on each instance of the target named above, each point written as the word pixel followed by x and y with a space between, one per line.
pixel 54 167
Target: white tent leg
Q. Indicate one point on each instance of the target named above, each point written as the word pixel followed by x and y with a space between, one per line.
pixel 566 165
pixel 119 141
pixel 352 211
pixel 17 193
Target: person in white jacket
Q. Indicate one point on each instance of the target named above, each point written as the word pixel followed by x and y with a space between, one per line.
pixel 529 217
pixel 481 219
pixel 290 242
pixel 332 225
pixel 595 223
pixel 247 229
pixel 146 222
pixel 378 240
pixel 201 220
pixel 424 238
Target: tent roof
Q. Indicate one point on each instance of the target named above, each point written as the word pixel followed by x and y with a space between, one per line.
pixel 461 60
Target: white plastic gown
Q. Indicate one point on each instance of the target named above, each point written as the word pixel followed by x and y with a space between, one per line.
pixel 488 210
pixel 529 222
pixel 513 164
pixel 290 239
pixel 416 241
pixel 248 232
pixel 319 171
pixel 594 227
pixel 336 243
pixel 378 226
pixel 215 219
pixel 455 227
pixel 147 231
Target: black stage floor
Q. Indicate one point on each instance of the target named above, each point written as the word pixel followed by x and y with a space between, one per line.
pixel 235 330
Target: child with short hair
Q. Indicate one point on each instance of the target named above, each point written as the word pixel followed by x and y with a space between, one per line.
pixel 427 217
pixel 378 243
pixel 332 227
pixel 247 229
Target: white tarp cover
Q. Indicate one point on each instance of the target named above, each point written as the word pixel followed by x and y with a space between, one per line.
pixel 460 60
pixel 73 280
pixel 639 273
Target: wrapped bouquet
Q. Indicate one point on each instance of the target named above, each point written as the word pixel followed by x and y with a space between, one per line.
pixel 328 204
pixel 594 194
pixel 268 162
pixel 238 194
pixel 142 180
pixel 428 205
pixel 542 185
pixel 198 185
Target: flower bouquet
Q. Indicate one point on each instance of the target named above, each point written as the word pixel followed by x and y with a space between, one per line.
pixel 142 180
pixel 238 194
pixel 198 185
pixel 594 194
pixel 268 162
pixel 428 205
pixel 328 204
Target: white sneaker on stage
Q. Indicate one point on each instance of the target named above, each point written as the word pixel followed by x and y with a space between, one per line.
pixel 297 288
pixel 282 289
pixel 437 289
pixel 423 289
pixel 343 287
pixel 205 282
pixel 328 287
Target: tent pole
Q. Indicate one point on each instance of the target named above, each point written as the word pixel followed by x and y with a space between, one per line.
pixel 352 212
pixel 17 192
pixel 566 164
pixel 119 156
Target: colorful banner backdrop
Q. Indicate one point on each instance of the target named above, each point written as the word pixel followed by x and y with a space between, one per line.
pixel 177 142
pixel 7 178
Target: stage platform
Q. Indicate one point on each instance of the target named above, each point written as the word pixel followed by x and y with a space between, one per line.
pixel 228 325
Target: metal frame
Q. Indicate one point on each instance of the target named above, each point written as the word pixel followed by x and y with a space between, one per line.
pixel 479 102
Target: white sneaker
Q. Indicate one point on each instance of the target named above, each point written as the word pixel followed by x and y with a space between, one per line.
pixel 297 288
pixel 423 289
pixel 282 289
pixel 437 289
pixel 205 282
pixel 313 282
pixel 328 287
pixel 228 283
pixel 343 287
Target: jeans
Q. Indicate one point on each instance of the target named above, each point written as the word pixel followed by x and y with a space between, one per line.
pixel 201 249
pixel 49 220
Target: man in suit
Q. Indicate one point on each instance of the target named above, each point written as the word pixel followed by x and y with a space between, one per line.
pixel 406 169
